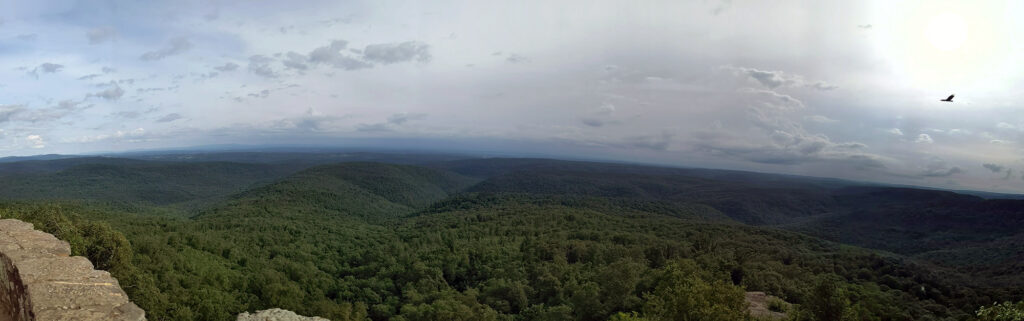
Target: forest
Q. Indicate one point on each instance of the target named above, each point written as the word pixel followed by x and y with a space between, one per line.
pixel 404 237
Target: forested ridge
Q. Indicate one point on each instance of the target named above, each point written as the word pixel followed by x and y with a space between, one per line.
pixel 518 239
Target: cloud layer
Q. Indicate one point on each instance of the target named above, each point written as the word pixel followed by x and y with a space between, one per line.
pixel 776 87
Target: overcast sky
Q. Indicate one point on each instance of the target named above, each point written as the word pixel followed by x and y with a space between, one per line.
pixel 843 89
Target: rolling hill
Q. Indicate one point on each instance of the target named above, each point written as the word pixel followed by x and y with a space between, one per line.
pixel 514 239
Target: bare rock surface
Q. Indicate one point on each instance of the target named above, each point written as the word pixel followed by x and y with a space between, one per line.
pixel 758 306
pixel 42 281
pixel 276 315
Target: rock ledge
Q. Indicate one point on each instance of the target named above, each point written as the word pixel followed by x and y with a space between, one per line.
pixel 276 315
pixel 42 281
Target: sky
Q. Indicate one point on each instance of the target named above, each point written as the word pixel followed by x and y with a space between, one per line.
pixel 847 89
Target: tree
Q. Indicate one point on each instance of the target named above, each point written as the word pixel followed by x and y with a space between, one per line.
pixel 687 293
pixel 1005 311
pixel 826 302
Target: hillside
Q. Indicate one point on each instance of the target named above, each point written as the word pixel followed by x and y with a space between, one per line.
pixel 519 239
pixel 124 180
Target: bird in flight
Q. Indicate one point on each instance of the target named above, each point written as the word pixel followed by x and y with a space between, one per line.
pixel 949 99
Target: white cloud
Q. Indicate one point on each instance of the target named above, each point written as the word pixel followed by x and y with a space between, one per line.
pixel 924 138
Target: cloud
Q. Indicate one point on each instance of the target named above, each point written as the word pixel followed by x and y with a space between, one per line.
pixel 132 136
pixel 402 118
pixel 995 168
pixel 331 55
pixel 865 26
pixel 600 116
pixel 654 142
pixel 819 119
pixel 776 100
pixel 770 79
pixel 47 68
pixel 515 59
pixel 392 122
pixel 101 35
pixel 227 67
pixel 35 141
pixel 7 112
pixel 113 93
pixel 169 118
pixel 924 138
pixel 775 79
pixel 1007 126
pixel 295 61
pixel 174 47
pixel 774 138
pixel 50 67
pixel 260 65
pixel 895 131
pixel 389 53
pixel 310 122
pixel 821 85
pixel 937 167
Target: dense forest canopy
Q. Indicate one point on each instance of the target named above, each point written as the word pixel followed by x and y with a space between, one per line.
pixel 440 237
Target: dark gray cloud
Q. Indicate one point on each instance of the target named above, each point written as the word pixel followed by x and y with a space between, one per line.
pixel 937 167
pixel 114 92
pixel 88 77
pixel 227 67
pixel 174 47
pixel 389 53
pixel 995 168
pixel 101 35
pixel 49 67
pixel 169 118
pixel 331 55
pixel 260 65
pixel 770 79
pixel 294 60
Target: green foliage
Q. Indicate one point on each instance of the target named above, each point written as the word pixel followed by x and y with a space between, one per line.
pixel 363 241
pixel 825 302
pixel 776 305
pixel 684 292
pixel 1005 311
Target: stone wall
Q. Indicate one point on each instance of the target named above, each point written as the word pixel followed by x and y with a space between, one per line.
pixel 41 281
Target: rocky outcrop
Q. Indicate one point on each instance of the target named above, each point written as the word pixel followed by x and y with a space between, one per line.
pixel 42 281
pixel 276 315
pixel 758 304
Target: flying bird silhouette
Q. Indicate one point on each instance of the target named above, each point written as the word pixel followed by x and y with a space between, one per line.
pixel 949 99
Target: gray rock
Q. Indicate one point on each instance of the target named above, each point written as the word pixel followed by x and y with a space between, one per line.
pixel 41 281
pixel 276 315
